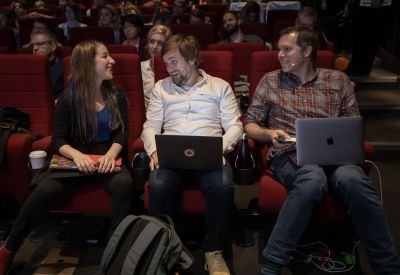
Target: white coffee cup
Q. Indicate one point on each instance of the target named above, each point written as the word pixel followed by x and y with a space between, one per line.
pixel 37 159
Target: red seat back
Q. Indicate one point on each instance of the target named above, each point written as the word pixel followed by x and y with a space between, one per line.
pixel 61 51
pixel 25 84
pixel 215 63
pixel 277 20
pixel 7 39
pixel 102 34
pixel 205 33
pixel 241 54
pixel 267 61
pixel 117 48
pixel 259 29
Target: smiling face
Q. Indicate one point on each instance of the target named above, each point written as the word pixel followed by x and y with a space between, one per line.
pixel 103 64
pixel 181 71
pixel 230 23
pixel 291 56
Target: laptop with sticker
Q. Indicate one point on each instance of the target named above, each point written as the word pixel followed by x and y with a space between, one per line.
pixel 189 152
pixel 330 141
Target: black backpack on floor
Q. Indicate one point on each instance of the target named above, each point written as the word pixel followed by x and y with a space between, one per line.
pixel 147 246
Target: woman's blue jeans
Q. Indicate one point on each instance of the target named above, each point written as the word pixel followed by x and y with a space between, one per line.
pixel 166 185
pixel 308 186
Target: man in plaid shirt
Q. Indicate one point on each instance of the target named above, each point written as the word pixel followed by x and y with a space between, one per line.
pixel 300 90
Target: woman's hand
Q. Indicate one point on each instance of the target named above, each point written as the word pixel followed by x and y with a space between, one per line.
pixel 85 163
pixel 106 163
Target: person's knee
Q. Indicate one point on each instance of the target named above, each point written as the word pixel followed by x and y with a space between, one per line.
pixel 352 179
pixel 122 185
pixel 48 189
pixel 311 181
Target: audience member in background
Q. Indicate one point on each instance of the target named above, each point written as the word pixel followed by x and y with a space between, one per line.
pixel 19 12
pixel 250 13
pixel 90 118
pixel 179 7
pixel 40 10
pixel 109 17
pixel 61 3
pixel 128 7
pixel 300 90
pixel 72 16
pixel 162 16
pixel 155 4
pixel 371 22
pixel 95 6
pixel 40 24
pixel 44 42
pixel 5 23
pixel 232 32
pixel 308 18
pixel 156 38
pixel 191 102
pixel 40 5
pixel 198 16
pixel 133 24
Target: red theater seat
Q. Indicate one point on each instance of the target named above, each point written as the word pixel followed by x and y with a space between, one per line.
pixel 25 84
pixel 117 48
pixel 60 51
pixel 215 63
pixel 7 40
pixel 103 34
pixel 241 55
pixel 127 74
pixel 272 194
pixel 205 33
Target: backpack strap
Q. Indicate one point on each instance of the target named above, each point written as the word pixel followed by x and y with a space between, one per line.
pixel 115 239
pixel 142 242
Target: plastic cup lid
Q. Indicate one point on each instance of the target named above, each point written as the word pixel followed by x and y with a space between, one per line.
pixel 38 154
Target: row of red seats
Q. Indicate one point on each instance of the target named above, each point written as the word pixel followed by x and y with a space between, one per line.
pixel 25 84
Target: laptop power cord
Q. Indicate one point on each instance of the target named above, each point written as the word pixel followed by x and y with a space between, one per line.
pixel 379 178
pixel 324 260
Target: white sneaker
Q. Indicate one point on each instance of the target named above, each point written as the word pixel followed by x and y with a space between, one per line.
pixel 215 263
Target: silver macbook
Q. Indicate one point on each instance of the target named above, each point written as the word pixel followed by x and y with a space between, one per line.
pixel 189 152
pixel 330 141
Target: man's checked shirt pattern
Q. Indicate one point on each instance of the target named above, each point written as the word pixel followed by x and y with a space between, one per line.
pixel 280 98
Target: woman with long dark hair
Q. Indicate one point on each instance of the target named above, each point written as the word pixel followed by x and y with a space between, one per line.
pixel 90 118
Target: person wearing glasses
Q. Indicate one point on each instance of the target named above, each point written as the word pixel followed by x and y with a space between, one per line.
pixel 44 42
pixel 156 38
pixel 132 26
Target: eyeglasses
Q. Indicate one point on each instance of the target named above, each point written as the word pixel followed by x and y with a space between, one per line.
pixel 39 44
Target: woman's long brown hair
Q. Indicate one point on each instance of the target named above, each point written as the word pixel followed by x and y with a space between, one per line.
pixel 83 90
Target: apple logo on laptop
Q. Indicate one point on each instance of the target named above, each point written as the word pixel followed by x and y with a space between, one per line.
pixel 330 141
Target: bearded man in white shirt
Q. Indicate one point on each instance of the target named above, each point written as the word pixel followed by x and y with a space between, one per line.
pixel 191 102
